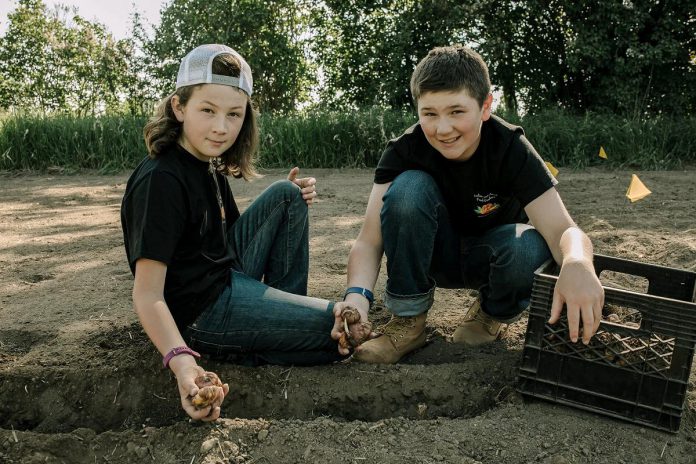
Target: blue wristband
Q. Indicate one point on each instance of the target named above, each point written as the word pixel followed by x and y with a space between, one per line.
pixel 363 291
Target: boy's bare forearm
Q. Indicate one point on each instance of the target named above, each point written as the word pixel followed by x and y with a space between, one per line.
pixel 159 325
pixel 575 245
pixel 363 269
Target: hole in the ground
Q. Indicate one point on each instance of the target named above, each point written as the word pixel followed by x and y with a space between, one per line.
pixel 60 400
pixel 16 343
pixel 36 278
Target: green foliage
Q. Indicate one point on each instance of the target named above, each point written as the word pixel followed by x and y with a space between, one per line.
pixel 347 139
pixel 368 48
pixel 267 33
pixel 55 62
pixel 621 56
pixel 634 58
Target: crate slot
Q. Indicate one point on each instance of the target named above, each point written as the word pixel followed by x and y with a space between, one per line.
pixel 624 281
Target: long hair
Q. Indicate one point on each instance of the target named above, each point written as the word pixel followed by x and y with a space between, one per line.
pixel 163 129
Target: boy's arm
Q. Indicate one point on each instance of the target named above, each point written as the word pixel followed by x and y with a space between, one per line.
pixel 157 321
pixel 578 286
pixel 364 259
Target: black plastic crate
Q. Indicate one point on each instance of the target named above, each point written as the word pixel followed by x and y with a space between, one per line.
pixel 637 367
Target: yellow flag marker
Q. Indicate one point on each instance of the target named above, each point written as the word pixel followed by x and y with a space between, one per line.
pixel 602 153
pixel 552 169
pixel 637 190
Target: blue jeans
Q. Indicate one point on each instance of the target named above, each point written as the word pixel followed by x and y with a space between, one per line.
pixel 424 251
pixel 269 322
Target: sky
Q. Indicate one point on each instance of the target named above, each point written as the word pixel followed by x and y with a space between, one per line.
pixel 114 14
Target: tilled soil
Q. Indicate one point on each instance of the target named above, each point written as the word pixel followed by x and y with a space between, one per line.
pixel 81 383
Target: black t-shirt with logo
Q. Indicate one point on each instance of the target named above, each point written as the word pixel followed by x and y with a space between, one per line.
pixel 491 188
pixel 170 213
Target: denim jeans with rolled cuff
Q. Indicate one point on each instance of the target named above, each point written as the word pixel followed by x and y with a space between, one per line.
pixel 269 322
pixel 424 251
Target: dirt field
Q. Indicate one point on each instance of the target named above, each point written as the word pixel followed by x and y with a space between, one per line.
pixel 80 383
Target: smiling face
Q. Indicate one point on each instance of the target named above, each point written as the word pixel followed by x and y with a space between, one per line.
pixel 451 121
pixel 211 119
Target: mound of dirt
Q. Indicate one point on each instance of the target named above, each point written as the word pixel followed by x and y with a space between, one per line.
pixel 81 383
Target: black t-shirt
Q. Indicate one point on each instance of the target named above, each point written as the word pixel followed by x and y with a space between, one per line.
pixel 491 188
pixel 170 213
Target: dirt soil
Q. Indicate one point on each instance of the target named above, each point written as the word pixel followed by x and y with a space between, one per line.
pixel 80 382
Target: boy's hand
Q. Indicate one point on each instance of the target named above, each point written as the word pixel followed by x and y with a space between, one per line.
pixel 581 291
pixel 358 330
pixel 307 185
pixel 185 378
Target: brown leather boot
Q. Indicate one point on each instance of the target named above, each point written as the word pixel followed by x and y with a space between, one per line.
pixel 478 327
pixel 400 336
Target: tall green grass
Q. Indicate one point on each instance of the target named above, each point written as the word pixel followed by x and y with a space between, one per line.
pixel 330 139
pixel 345 139
pixel 574 141
pixel 107 144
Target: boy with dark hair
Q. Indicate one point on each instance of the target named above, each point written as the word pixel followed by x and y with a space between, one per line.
pixel 462 200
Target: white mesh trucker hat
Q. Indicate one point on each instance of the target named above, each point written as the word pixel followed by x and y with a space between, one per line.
pixel 197 68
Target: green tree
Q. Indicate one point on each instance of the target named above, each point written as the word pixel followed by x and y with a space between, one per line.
pixel 27 78
pixel 495 36
pixel 622 56
pixel 58 61
pixel 268 33
pixel 367 49
pixel 634 57
pixel 94 67
pixel 627 56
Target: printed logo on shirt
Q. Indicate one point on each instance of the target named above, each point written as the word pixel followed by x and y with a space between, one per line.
pixel 485 204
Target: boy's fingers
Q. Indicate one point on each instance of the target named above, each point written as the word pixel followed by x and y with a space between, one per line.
pixel 293 173
pixel 588 324
pixel 573 322
pixel 337 330
pixel 192 389
pixel 197 414
pixel 214 414
pixel 556 307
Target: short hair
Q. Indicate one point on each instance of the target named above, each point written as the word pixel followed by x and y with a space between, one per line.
pixel 164 129
pixel 451 69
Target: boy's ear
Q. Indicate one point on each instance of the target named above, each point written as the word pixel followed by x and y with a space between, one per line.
pixel 487 103
pixel 177 108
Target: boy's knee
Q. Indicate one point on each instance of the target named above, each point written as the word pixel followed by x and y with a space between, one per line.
pixel 285 188
pixel 524 255
pixel 533 247
pixel 413 181
pixel 409 193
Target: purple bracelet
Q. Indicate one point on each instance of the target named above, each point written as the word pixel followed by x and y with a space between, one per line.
pixel 177 351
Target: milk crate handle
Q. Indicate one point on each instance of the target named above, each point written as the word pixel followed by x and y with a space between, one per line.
pixel 662 281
